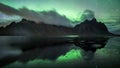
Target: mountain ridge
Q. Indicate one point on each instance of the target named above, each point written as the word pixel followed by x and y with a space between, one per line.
pixel 26 27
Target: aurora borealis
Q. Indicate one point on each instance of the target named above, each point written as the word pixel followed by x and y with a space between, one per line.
pixel 65 13
pixel 105 10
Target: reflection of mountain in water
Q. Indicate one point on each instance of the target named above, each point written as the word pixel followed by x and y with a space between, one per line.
pixel 87 28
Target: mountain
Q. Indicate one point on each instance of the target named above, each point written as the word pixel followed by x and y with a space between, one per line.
pixel 26 27
pixel 29 45
pixel 92 27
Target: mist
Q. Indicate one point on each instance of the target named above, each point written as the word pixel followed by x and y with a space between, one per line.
pixel 48 17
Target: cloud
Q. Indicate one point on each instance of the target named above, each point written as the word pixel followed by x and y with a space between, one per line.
pixel 24 12
pixel 52 17
pixel 8 10
pixel 87 15
pixel 49 17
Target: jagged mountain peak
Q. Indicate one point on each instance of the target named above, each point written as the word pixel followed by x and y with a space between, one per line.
pixel 90 21
pixel 26 27
pixel 91 27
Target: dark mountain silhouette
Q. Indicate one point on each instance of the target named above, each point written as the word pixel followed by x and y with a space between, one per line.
pixel 92 28
pixel 26 27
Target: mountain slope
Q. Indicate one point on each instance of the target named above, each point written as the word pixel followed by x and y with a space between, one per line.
pixel 92 28
pixel 26 27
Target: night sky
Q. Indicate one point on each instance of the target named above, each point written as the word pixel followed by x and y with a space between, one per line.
pixel 105 10
pixel 66 11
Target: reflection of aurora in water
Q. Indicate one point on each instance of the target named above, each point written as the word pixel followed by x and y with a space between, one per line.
pixel 108 56
pixel 70 57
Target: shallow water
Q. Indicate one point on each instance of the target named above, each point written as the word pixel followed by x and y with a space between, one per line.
pixel 65 56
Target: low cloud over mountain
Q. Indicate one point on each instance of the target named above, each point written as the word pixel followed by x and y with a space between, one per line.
pixel 49 17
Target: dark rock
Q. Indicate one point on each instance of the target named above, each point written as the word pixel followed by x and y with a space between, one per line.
pixel 91 28
pixel 26 27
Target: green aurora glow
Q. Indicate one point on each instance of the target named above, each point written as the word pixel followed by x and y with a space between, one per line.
pixel 70 57
pixel 105 10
